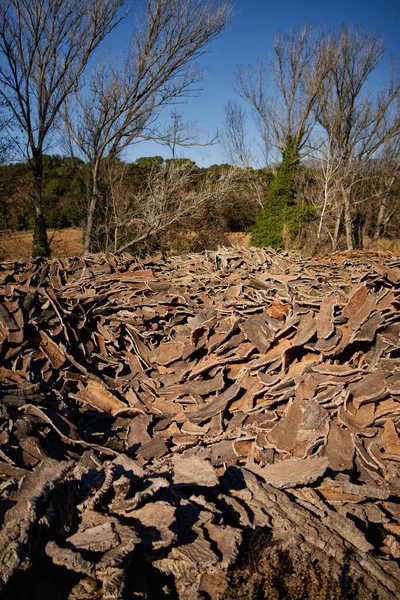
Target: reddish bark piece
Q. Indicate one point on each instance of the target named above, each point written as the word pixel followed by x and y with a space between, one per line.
pixel 339 448
pixel 325 326
pixel 356 302
pixel 390 438
pixel 257 331
pixel 99 397
pixel 306 388
pixel 278 310
pixel 357 419
pixel 293 472
pixel 193 470
pixel 252 386
pixel 168 353
pixel 369 389
pixel 274 353
pixel 360 306
pixel 52 351
pixel 216 405
pixel 390 274
pixel 243 448
pixel 12 375
pixel 305 422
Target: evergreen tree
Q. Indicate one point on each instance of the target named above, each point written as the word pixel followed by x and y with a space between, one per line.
pixel 279 203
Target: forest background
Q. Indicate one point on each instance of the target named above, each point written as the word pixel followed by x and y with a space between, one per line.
pixel 322 128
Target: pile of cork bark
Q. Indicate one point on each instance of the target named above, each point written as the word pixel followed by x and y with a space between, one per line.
pixel 156 414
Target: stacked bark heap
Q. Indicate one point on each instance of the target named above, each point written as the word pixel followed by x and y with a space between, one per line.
pixel 155 415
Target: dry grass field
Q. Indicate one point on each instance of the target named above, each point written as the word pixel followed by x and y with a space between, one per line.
pixel 64 242
pixel 68 242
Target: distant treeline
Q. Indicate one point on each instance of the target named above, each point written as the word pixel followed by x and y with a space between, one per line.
pixel 174 205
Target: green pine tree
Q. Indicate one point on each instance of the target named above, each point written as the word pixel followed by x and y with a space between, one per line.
pixel 279 203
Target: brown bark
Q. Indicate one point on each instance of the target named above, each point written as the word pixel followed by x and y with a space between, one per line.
pixel 338 224
pixel 41 246
pixel 348 220
pixel 92 207
pixel 380 223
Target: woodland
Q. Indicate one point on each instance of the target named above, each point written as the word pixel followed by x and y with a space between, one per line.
pixel 330 139
pixel 174 227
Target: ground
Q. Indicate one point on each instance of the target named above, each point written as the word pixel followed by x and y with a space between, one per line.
pixel 68 242
pixel 18 245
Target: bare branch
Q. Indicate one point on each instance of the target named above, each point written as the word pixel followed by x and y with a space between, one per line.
pixel 45 46
pixel 284 98
pixel 124 101
pixel 357 122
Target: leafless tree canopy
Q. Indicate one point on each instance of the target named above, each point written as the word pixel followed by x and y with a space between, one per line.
pixel 283 98
pixel 358 124
pixel 178 133
pixel 158 69
pixel 168 195
pixel 236 141
pixel 316 93
pixel 45 46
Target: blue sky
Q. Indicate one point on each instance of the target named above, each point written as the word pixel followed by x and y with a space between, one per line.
pixel 250 36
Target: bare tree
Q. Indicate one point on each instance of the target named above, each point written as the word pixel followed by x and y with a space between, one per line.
pixel 179 133
pixel 387 168
pixel 168 195
pixel 323 190
pixel 283 98
pixel 357 122
pixel 237 145
pixel 4 139
pixel 235 139
pixel 122 104
pixel 45 46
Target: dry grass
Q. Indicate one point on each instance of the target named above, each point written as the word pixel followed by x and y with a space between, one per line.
pixel 68 242
pixel 392 246
pixel 18 246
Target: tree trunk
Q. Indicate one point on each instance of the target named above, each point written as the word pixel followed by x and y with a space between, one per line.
pixel 41 246
pixel 379 229
pixel 348 220
pixel 358 230
pixel 92 208
pixel 335 241
pixel 321 220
